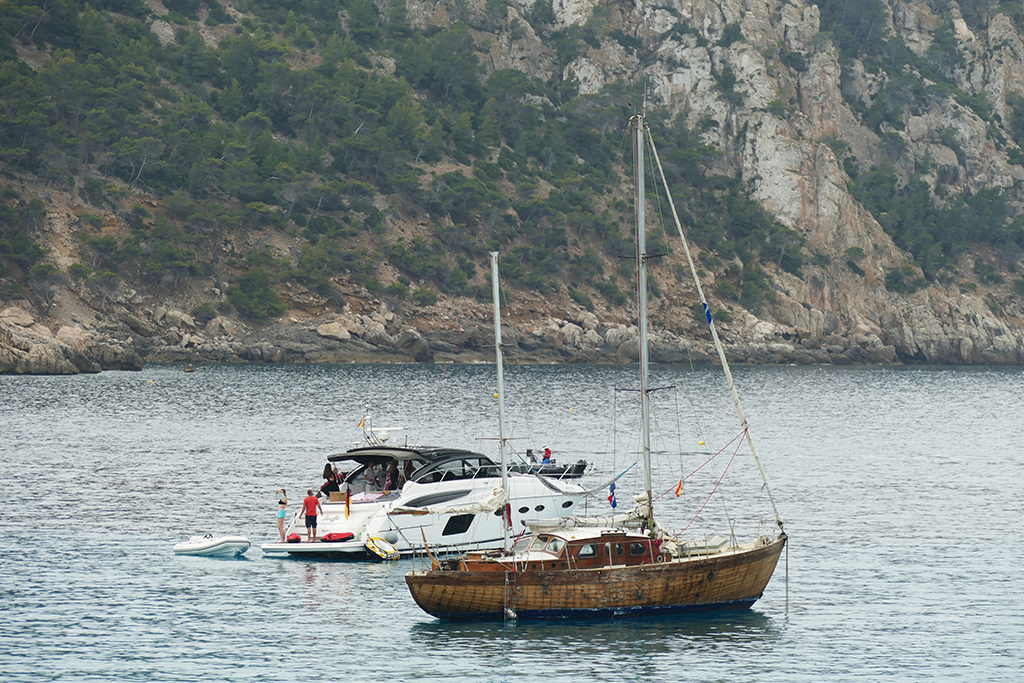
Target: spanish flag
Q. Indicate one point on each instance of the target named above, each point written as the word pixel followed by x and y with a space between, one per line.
pixel 679 489
pixel 348 501
pixel 361 420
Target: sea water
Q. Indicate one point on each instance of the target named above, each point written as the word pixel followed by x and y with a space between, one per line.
pixel 900 488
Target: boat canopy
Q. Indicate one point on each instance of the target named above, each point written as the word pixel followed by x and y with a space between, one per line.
pixel 421 454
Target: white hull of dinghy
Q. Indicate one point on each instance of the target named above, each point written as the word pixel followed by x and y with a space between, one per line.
pixel 345 550
pixel 208 546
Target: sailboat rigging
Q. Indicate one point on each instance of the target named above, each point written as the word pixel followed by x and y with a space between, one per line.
pixel 570 567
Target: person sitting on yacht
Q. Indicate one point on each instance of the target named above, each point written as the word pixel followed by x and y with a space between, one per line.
pixel 332 483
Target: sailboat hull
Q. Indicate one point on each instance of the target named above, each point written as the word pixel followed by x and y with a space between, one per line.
pixel 732 579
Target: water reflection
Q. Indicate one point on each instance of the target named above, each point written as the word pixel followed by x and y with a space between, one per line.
pixel 652 634
pixel 613 650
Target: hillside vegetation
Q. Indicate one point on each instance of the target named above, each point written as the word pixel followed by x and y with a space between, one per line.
pixel 396 157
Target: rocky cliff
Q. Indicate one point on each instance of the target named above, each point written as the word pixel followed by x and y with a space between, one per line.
pixel 795 100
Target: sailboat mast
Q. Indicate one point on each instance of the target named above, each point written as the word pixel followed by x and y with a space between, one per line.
pixel 640 126
pixel 495 291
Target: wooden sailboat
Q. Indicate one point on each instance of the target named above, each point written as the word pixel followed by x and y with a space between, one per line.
pixel 575 569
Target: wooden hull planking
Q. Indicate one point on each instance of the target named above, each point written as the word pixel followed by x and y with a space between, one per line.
pixel 734 579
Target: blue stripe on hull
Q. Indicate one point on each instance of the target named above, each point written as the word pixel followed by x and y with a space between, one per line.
pixel 605 613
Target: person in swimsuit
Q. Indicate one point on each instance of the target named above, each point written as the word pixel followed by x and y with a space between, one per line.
pixel 282 503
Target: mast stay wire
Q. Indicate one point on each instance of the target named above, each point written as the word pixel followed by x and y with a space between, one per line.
pixel 699 415
pixel 718 344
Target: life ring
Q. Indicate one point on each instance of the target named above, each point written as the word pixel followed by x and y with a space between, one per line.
pixel 382 549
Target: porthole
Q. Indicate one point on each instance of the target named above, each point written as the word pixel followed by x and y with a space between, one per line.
pixel 539 508
pixel 523 510
pixel 567 504
pixel 497 513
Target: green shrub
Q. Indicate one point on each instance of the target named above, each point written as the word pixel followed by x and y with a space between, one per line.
pixel 397 289
pixel 255 297
pixel 204 312
pixel 422 296
pixel 610 291
pixel 904 280
pixel 94 221
pixel 584 300
pixel 79 270
pixel 653 287
pixel 726 289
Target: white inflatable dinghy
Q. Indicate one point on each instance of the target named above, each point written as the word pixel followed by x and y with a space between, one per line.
pixel 209 546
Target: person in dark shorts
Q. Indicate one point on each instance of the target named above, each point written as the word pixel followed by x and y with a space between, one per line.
pixel 311 504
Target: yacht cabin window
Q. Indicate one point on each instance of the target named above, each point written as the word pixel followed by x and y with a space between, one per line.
pixel 555 545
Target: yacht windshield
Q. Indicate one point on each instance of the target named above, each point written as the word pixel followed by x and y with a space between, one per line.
pixel 461 468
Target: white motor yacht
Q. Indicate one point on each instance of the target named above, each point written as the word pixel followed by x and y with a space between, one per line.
pixel 451 501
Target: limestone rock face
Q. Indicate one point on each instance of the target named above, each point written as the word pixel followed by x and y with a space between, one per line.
pixel 775 137
pixel 412 342
pixel 334 331
pixel 115 357
pixel 28 348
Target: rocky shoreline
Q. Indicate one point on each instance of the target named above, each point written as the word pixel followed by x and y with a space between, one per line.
pixel 128 342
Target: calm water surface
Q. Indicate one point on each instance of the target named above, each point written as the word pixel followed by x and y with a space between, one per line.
pixel 901 490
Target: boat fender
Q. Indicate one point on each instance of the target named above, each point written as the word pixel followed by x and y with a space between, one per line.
pixel 293 538
pixel 382 549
